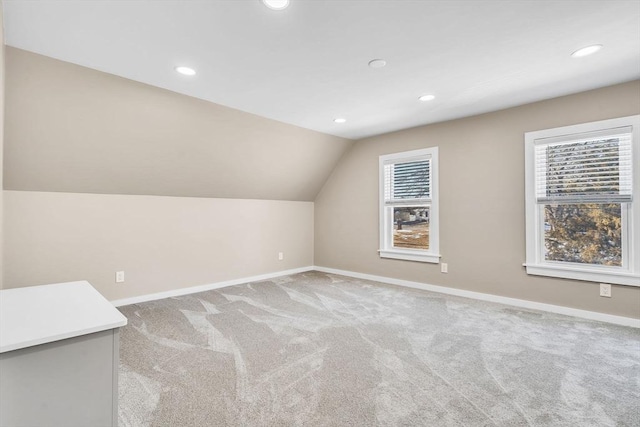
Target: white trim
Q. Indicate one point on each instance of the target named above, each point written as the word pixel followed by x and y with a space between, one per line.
pixel 409 255
pixel 567 311
pixel 586 274
pixel 208 287
pixel 386 249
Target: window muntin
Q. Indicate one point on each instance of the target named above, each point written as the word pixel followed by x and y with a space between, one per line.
pixel 408 205
pixel 580 201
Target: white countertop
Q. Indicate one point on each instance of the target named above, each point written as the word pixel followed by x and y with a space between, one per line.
pixel 41 314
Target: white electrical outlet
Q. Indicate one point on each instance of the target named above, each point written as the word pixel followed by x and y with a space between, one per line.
pixel 605 290
pixel 280 256
pixel 444 267
pixel 119 276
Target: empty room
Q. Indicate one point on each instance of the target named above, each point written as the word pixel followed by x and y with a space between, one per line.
pixel 319 213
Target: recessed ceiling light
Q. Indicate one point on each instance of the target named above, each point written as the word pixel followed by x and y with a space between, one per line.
pixel 276 4
pixel 340 120
pixel 425 98
pixel 586 51
pixel 186 71
pixel 377 63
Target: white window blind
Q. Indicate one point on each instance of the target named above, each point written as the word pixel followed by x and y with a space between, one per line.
pixel 596 167
pixel 407 182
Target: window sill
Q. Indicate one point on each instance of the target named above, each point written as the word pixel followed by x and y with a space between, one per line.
pixel 590 275
pixel 410 256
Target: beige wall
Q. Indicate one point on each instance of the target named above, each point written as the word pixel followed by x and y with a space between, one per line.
pixel 162 243
pixel 100 154
pixel 74 136
pixel 482 234
pixel 73 129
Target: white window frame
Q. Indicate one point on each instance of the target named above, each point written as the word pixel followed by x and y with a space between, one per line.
pixel 387 250
pixel 629 272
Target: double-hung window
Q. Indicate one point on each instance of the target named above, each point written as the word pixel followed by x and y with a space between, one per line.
pixel 583 201
pixel 409 205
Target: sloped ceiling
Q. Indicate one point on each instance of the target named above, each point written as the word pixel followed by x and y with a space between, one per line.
pixel 74 129
pixel 307 64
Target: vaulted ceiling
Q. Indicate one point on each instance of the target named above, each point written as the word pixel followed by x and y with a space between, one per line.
pixel 73 129
pixel 307 65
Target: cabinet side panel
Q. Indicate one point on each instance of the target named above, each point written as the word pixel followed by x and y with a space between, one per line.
pixel 65 383
pixel 116 369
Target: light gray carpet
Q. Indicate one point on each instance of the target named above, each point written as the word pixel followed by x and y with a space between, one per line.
pixel 315 349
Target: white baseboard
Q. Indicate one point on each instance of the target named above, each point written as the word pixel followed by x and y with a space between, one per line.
pixel 584 314
pixel 558 309
pixel 208 287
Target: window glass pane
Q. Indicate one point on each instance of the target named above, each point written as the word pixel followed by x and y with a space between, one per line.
pixel 411 180
pixel 587 233
pixel 585 168
pixel 411 227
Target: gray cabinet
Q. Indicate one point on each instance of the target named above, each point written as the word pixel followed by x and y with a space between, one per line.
pixel 65 382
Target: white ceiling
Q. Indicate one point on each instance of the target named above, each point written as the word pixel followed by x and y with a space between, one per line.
pixel 307 65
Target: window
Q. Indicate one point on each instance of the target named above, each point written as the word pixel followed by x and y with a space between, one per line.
pixel 582 192
pixel 409 205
